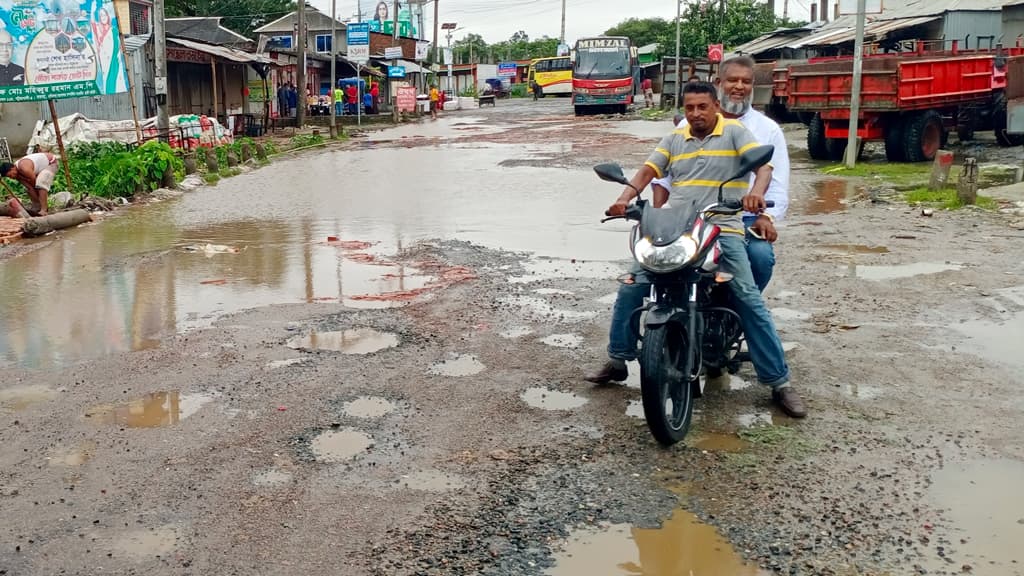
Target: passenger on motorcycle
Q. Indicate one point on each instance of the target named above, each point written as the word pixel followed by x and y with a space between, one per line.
pixel 736 95
pixel 697 158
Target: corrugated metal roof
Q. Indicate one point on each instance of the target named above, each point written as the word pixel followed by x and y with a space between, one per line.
pixel 769 42
pixel 225 52
pixel 874 30
pixel 134 42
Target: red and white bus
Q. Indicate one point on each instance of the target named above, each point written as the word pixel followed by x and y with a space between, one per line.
pixel 602 74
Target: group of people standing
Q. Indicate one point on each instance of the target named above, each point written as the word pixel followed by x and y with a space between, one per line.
pixel 346 100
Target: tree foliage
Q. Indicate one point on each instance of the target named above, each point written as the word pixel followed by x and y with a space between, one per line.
pixel 518 47
pixel 242 16
pixel 703 23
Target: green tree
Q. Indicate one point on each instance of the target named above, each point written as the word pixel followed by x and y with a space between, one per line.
pixel 643 31
pixel 242 16
pixel 472 45
pixel 740 22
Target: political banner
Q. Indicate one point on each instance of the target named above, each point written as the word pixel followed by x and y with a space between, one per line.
pixel 59 50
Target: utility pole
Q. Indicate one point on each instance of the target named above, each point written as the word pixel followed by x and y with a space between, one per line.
pixel 160 70
pixel 334 64
pixel 679 66
pixel 785 9
pixel 852 143
pixel 300 73
pixel 437 46
pixel 561 39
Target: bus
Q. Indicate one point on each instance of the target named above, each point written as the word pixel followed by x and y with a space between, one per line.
pixel 553 75
pixel 602 74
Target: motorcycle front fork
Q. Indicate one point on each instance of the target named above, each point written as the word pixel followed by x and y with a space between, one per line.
pixel 693 335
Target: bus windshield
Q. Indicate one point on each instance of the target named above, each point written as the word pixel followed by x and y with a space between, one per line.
pixel 602 63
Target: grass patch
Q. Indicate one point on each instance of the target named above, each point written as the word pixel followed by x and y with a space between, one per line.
pixel 742 460
pixel 780 437
pixel 653 114
pixel 211 178
pixel 897 174
pixel 946 199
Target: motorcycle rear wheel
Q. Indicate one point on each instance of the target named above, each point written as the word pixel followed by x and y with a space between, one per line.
pixel 666 391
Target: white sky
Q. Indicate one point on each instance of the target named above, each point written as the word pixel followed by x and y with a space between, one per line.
pixel 497 20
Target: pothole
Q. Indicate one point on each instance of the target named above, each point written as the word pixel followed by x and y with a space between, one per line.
pixel 683 545
pixel 355 341
pixel 547 399
pixel 563 340
pixel 368 407
pixel 880 273
pixel 271 478
pixel 552 292
pixel 715 442
pixel 152 410
pixel 458 365
pixel 340 445
pixel 145 544
pixel 431 481
pixel 856 248
pixel 275 364
pixel 752 419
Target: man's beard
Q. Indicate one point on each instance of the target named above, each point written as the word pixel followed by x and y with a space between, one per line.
pixel 732 107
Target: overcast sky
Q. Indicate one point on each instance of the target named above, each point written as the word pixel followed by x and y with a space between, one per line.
pixel 497 20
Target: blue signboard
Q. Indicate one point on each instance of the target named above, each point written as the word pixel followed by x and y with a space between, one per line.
pixel 396 71
pixel 506 69
pixel 359 34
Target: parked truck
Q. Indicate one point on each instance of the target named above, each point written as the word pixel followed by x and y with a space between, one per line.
pixel 909 101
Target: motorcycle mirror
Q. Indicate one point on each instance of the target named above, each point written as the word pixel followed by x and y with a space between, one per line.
pixel 611 173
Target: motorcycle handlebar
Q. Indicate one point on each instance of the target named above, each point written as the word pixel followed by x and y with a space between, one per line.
pixel 633 211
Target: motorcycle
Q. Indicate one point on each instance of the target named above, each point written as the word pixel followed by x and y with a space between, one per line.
pixel 689 329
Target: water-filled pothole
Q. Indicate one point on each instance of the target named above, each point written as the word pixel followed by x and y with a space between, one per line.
pixel 563 340
pixel 879 273
pixel 683 546
pixel 21 397
pixel 547 399
pixel 715 442
pixel 355 341
pixel 856 248
pixel 340 445
pixel 152 410
pixel 458 365
pixel 368 407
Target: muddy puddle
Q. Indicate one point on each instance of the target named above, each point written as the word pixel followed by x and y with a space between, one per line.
pixel 355 341
pixel 340 445
pixel 984 512
pixel 824 196
pixel 635 409
pixel 154 410
pixel 457 365
pixel 716 442
pixel 997 340
pixel 896 272
pixel 541 310
pixel 21 397
pixel 129 282
pixel 683 546
pixel 73 457
pixel 861 391
pixel 368 407
pixel 547 399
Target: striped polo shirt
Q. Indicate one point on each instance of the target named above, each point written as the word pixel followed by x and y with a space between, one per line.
pixel 697 167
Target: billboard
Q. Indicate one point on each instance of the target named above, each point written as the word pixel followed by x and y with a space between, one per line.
pixel 59 50
pixel 358 39
pixel 506 69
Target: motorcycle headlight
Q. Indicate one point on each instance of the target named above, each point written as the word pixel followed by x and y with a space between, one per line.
pixel 664 258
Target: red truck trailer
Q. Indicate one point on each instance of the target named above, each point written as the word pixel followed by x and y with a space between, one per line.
pixel 909 101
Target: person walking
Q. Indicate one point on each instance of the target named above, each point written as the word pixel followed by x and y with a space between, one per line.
pixel 339 101
pixel 435 100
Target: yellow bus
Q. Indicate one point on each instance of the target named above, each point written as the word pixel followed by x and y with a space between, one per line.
pixel 553 75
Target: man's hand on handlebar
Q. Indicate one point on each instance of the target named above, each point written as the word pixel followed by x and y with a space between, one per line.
pixel 764 229
pixel 754 203
pixel 619 208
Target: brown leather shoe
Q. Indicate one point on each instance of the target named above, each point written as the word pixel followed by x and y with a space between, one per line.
pixel 608 373
pixel 789 400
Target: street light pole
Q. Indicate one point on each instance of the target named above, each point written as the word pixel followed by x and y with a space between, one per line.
pixel 679 68
pixel 561 39
pixel 334 63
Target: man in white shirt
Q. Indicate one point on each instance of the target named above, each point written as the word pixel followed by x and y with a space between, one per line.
pixel 736 93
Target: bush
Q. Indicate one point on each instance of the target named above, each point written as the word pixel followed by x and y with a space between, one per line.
pixel 109 169
pixel 519 90
pixel 303 140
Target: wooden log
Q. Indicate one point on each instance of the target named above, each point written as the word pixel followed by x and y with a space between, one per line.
pixel 49 223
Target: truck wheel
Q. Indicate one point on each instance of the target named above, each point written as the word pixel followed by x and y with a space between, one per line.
pixel 966 124
pixel 922 136
pixel 894 140
pixel 836 149
pixel 817 144
pixel 1000 122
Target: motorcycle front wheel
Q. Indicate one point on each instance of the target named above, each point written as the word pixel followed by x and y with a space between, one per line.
pixel 665 389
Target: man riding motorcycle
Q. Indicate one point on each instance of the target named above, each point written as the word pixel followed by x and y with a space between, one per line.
pixel 681 156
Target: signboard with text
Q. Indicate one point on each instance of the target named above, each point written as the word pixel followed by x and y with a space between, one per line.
pixel 358 35
pixel 422 49
pixel 393 52
pixel 506 69
pixel 176 54
pixel 715 52
pixel 396 71
pixel 61 50
pixel 406 98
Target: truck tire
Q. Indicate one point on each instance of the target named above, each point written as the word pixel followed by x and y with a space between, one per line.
pixel 817 144
pixel 894 140
pixel 922 136
pixel 836 148
pixel 966 124
pixel 1000 121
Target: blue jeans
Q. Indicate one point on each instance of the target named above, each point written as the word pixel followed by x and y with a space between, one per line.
pixel 338 109
pixel 766 351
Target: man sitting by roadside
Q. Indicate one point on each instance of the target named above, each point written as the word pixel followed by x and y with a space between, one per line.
pixel 36 172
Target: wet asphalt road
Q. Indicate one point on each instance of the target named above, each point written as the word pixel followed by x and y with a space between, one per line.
pixel 208 385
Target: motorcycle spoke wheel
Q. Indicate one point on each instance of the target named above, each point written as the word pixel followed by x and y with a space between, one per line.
pixel 666 391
